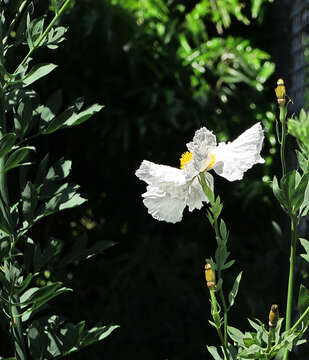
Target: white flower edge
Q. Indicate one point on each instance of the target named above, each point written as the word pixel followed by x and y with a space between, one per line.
pixel 233 159
pixel 229 160
pixel 169 192
pixel 170 189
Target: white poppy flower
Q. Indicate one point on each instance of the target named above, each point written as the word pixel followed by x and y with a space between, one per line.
pixel 170 189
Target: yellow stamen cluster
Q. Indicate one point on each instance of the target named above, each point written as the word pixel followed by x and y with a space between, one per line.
pixel 212 162
pixel 185 158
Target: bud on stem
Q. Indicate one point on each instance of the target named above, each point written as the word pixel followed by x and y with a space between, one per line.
pixel 280 92
pixel 273 316
pixel 210 277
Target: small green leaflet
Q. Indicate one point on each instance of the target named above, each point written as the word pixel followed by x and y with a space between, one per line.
pixel 37 72
pixel 234 291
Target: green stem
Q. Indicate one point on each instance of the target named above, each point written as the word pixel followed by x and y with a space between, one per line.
pixel 291 278
pixel 271 336
pixel 43 36
pixel 282 118
pixel 221 291
pixel 16 322
pixel 17 15
pixel 215 313
pixel 210 195
pixel 17 331
pixel 304 314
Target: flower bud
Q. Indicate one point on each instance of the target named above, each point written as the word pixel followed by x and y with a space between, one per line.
pixel 210 277
pixel 280 92
pixel 273 316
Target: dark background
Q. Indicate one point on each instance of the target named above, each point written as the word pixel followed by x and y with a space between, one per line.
pixel 132 59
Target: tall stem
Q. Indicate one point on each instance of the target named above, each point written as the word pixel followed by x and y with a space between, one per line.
pixel 221 291
pixel 282 118
pixel 210 195
pixel 43 36
pixel 301 318
pixel 291 278
pixel 16 322
pixel 271 336
pixel 214 311
pixel 17 331
pixel 293 222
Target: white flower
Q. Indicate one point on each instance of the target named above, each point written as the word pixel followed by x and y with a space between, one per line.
pixel 170 189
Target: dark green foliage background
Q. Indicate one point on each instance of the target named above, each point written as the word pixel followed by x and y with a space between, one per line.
pixel 151 281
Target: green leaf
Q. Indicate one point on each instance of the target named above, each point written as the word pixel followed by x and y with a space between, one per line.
pixel 48 255
pixel 37 72
pixel 255 7
pixel 6 144
pixel 278 329
pixel 23 116
pixel 228 264
pixel 55 37
pixel 298 195
pixel 221 255
pixel 80 250
pixel 217 207
pixel 59 170
pixel 305 244
pixel 4 225
pixel 280 195
pixel 234 291
pixel 39 296
pixel 95 334
pixel 303 161
pixel 253 352
pixel 303 303
pixel 34 30
pixel 52 336
pixel 71 117
pixel 29 200
pixel 236 335
pixel 214 352
pixel 66 197
pixel 16 158
pixel 12 273
pixel 24 284
pixel 223 231
pixel 34 298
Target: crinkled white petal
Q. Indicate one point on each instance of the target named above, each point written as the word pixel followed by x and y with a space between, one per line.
pixel 204 141
pixel 165 206
pixel 234 158
pixel 196 195
pixel 162 176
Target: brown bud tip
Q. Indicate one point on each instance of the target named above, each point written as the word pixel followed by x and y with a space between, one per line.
pixel 273 316
pixel 210 277
pixel 280 92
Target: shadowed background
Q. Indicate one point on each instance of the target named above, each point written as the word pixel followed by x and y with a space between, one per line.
pixel 163 69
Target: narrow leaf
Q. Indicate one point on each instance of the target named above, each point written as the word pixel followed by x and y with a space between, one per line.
pixel 303 302
pixel 214 352
pixel 305 244
pixel 6 144
pixel 37 72
pixel 234 291
pixel 280 195
pixel 17 157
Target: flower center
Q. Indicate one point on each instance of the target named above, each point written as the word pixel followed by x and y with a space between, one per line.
pixel 212 162
pixel 185 158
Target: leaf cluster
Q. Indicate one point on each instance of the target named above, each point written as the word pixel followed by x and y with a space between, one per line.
pixel 22 296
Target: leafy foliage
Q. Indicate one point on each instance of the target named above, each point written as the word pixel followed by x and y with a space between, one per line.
pixel 150 100
pixel 22 296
